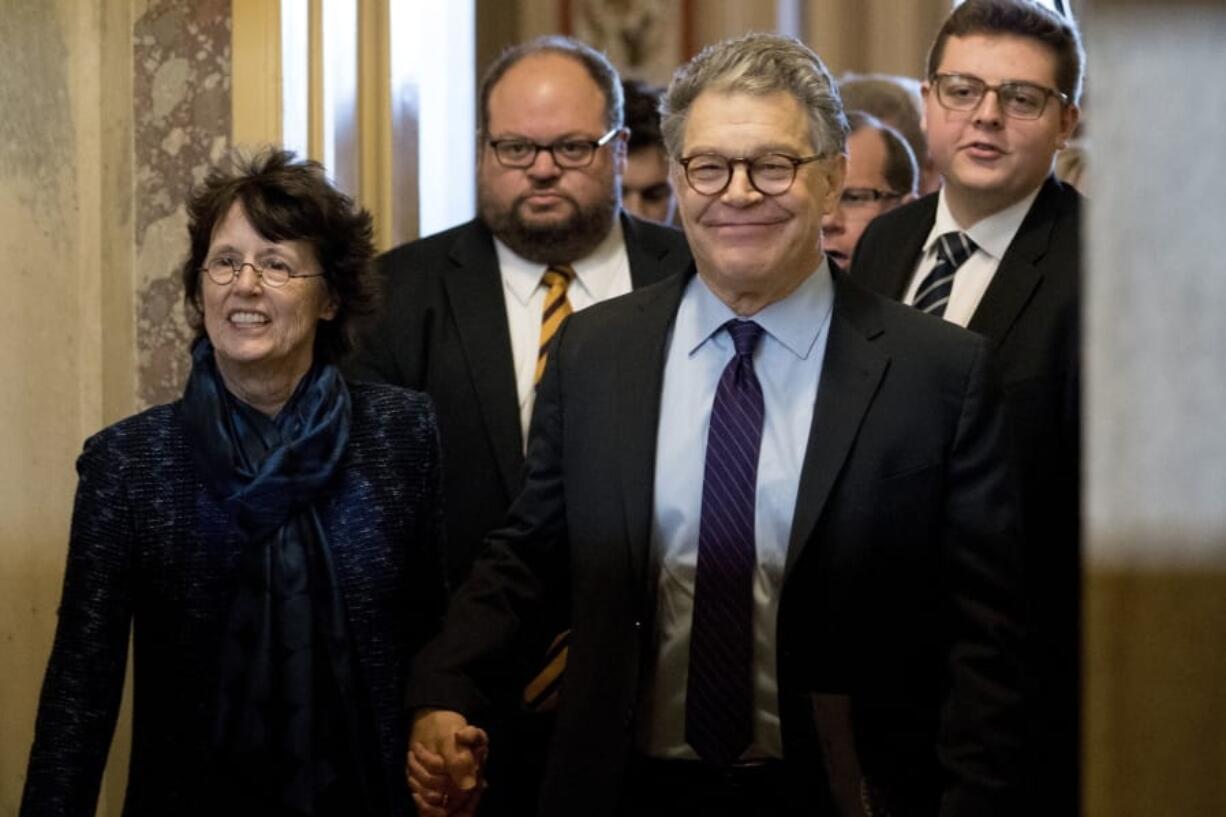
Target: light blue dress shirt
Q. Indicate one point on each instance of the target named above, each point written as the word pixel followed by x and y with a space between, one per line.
pixel 788 364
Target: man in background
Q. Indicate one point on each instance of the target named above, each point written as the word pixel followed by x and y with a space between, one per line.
pixel 881 174
pixel 897 102
pixel 646 189
pixel 998 251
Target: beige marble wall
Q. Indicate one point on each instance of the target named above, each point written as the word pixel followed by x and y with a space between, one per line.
pixel 112 109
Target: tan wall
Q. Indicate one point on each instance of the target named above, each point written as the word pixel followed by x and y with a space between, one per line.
pixel 107 104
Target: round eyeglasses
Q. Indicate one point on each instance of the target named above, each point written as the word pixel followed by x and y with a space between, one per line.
pixel 274 272
pixel 1019 100
pixel 566 153
pixel 771 174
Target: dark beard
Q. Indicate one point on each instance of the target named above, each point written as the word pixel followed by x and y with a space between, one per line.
pixel 561 243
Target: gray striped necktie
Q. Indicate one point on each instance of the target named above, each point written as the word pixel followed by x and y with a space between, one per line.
pixel 953 248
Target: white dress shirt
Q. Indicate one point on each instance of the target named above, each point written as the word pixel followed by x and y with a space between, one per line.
pixel 788 362
pixel 603 274
pixel 991 235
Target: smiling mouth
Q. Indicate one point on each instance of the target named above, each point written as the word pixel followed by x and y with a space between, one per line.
pixel 839 256
pixel 247 318
pixel 743 225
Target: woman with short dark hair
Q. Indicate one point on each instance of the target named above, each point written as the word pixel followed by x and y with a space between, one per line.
pixel 272 538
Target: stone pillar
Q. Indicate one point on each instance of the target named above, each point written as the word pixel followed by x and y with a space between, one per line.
pixel 1155 611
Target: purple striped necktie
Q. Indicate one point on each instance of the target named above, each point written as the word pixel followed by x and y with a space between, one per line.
pixel 719 693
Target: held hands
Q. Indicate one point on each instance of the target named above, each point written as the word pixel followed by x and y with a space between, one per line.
pixel 445 764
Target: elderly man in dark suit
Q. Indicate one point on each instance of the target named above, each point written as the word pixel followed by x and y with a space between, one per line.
pixel 778 506
pixel 997 251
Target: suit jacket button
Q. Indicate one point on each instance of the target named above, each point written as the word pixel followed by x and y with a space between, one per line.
pixel 638 624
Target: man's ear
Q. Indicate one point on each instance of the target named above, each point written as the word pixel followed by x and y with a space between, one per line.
pixel 1070 115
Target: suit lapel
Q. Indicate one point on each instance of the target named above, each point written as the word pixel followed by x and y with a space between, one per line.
pixel 650 260
pixel 474 288
pixel 851 373
pixel 1019 274
pixel 892 273
pixel 640 377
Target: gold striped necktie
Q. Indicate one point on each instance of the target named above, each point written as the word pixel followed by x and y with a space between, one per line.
pixel 541 693
pixel 557 278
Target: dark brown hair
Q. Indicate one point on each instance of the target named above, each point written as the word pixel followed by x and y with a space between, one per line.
pixel 287 199
pixel 642 114
pixel 1018 18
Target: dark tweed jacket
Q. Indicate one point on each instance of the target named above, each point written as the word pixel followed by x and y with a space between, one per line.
pixel 151 547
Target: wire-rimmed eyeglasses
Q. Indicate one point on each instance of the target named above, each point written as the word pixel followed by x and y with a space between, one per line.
pixel 1019 100
pixel 274 272
pixel 566 153
pixel 771 174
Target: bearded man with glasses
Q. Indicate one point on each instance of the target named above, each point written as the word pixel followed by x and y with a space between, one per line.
pixel 779 508
pixel 1004 79
pixel 471 311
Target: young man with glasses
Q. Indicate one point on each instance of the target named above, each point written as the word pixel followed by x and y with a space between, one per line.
pixel 997 251
pixel 470 312
pixel 779 507
pixel 881 175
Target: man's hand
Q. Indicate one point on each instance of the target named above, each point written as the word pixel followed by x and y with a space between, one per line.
pixel 445 763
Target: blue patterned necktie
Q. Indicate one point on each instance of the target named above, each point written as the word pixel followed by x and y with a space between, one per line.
pixel 953 248
pixel 719 694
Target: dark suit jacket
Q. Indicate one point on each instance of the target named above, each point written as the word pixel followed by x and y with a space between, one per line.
pixel 154 552
pixel 444 331
pixel 898 590
pixel 1030 315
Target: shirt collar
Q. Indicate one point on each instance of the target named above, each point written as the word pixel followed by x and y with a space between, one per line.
pixel 594 272
pixel 993 234
pixel 789 321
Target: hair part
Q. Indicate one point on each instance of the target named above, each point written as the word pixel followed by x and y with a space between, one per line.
pixel 901 170
pixel 758 64
pixel 287 199
pixel 594 62
pixel 1018 18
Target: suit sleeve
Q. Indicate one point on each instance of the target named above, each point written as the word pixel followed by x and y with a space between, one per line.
pixel 471 667
pixel 84 681
pixel 982 720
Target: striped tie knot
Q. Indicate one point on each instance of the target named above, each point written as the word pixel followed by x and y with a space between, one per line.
pixel 745 336
pixel 558 275
pixel 953 248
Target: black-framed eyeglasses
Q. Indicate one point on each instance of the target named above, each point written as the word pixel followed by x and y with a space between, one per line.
pixel 566 153
pixel 861 197
pixel 274 272
pixel 1020 100
pixel 771 174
